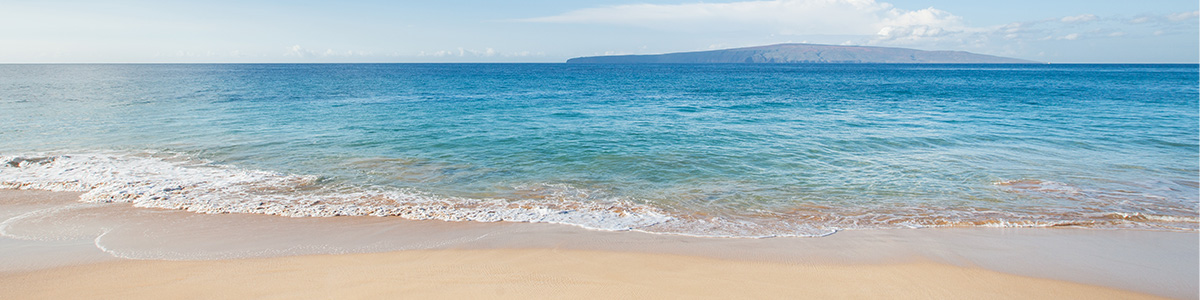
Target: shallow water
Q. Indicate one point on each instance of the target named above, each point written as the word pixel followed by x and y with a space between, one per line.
pixel 709 150
pixel 41 230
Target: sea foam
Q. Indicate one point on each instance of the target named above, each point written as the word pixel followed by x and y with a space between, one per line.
pixel 175 182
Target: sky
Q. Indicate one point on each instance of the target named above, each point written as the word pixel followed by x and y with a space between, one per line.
pixel 134 31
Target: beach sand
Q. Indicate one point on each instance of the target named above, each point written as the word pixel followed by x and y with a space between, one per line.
pixel 531 273
pixel 54 247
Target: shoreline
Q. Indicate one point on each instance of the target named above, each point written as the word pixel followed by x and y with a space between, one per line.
pixel 115 238
pixel 172 180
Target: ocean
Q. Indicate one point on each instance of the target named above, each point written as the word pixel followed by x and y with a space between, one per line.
pixel 722 150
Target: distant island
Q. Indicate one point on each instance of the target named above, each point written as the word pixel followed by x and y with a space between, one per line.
pixel 807 53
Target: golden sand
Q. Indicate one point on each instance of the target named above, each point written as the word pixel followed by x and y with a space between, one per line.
pixel 530 273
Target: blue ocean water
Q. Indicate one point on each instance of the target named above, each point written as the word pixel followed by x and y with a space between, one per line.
pixel 712 150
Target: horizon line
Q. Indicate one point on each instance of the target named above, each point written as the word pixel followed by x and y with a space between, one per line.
pixel 564 62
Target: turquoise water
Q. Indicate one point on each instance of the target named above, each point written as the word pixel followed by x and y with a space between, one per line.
pixel 712 150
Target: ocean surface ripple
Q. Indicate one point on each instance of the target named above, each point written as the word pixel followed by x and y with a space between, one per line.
pixel 706 150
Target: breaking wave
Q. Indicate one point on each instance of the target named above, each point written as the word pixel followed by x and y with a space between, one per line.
pixel 173 181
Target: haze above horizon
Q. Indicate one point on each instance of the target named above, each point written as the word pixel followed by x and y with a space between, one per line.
pixel 136 31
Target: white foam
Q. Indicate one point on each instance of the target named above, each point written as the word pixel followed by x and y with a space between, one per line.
pixel 1149 217
pixel 173 183
pixel 1044 186
pixel 45 233
pixel 178 182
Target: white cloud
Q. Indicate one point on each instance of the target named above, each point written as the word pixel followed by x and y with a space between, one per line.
pixel 1140 20
pixel 785 17
pixel 439 53
pixel 1069 28
pixel 296 51
pixel 920 24
pixel 523 54
pixel 1079 19
pixel 301 52
pixel 486 52
pixel 1183 16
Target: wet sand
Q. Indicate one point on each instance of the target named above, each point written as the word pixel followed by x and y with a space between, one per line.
pixel 54 247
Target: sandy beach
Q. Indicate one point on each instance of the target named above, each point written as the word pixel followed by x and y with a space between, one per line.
pixel 532 273
pixel 56 247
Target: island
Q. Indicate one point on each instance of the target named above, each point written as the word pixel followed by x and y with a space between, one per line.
pixel 806 53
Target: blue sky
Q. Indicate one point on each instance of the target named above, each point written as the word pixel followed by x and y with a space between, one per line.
pixel 552 31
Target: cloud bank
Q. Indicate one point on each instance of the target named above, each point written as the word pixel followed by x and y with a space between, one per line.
pixel 868 21
pixel 786 17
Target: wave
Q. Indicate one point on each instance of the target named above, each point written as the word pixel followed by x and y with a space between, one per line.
pixel 175 181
